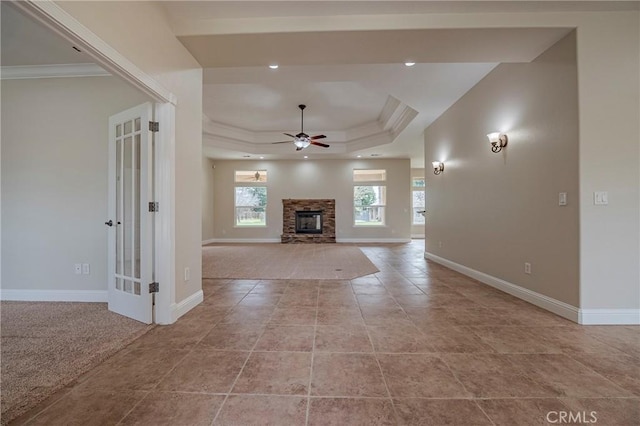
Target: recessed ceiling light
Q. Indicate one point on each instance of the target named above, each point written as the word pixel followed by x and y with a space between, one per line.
pixel 359 156
pixel 375 155
pixel 273 66
pixel 306 156
pixel 409 64
pixel 246 156
pixel 262 158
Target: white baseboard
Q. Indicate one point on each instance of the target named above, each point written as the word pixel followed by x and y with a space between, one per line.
pixel 373 240
pixel 581 316
pixel 610 316
pixel 181 308
pixel 241 240
pixel 545 302
pixel 277 240
pixel 54 295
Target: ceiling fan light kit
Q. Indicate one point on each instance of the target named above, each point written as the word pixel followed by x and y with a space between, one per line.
pixel 302 140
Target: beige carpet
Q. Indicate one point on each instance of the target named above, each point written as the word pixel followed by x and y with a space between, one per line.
pixel 285 261
pixel 47 345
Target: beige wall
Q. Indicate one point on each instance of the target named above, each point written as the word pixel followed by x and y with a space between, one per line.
pixel 314 179
pixel 494 212
pixel 140 32
pixel 417 231
pixel 609 66
pixel 207 199
pixel 54 179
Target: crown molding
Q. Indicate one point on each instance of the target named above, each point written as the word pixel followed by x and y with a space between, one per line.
pixel 394 117
pixel 20 72
pixel 52 16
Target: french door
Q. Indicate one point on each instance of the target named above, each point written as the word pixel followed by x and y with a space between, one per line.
pixel 130 223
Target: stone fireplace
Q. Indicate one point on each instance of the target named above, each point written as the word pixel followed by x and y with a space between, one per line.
pixel 309 221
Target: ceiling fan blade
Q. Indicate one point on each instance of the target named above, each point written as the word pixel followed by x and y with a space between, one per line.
pixel 288 134
pixel 299 148
pixel 281 142
pixel 324 145
pixel 318 137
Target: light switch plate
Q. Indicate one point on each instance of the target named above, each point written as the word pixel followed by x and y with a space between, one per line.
pixel 562 199
pixel 600 198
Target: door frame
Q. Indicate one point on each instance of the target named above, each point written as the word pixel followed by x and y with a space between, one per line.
pixel 58 20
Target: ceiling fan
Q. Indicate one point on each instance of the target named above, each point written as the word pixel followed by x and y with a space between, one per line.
pixel 303 140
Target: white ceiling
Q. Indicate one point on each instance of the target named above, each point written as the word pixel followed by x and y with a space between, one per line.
pixel 339 99
pixel 349 79
pixel 190 10
pixel 355 87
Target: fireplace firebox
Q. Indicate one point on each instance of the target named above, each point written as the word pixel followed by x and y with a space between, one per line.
pixel 309 222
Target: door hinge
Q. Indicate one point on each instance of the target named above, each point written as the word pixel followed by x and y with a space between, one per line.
pixel 154 207
pixel 154 287
pixel 154 126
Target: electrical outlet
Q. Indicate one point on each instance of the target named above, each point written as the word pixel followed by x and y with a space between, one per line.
pixel 527 268
pixel 86 269
pixel 187 274
pixel 77 268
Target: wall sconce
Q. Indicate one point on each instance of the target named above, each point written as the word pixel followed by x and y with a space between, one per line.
pixel 438 167
pixel 498 141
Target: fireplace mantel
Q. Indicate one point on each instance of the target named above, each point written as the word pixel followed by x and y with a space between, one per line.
pixel 289 209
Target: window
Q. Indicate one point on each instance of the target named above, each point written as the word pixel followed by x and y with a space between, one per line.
pixel 369 175
pixel 251 176
pixel 251 198
pixel 369 197
pixel 418 200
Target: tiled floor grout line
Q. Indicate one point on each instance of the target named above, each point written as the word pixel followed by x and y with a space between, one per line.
pixel 133 408
pixel 394 282
pixel 164 376
pixel 375 356
pixel 449 368
pixel 313 351
pixel 125 349
pixel 475 402
pixel 240 372
pixel 594 371
pixel 30 419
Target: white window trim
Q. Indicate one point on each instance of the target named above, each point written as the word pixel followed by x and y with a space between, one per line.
pixel 236 207
pixel 413 207
pixel 369 183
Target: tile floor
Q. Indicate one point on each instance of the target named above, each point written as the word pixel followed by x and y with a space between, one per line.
pixel 415 344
